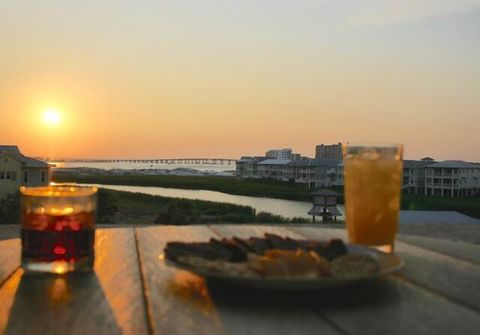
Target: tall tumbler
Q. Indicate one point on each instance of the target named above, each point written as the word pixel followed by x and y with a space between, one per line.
pixel 373 177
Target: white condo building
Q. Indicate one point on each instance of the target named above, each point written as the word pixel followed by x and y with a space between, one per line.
pixel 452 179
pixel 312 172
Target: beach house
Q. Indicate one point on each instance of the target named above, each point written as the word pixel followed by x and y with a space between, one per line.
pixel 18 170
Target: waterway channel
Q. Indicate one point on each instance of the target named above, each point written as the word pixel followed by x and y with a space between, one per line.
pixel 286 208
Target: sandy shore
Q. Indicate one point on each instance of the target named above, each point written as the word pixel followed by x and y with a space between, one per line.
pixel 469 233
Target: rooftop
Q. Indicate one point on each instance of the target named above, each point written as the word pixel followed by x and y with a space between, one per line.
pixel 325 192
pixel 14 151
pixel 317 162
pixel 10 149
pixel 277 161
pixel 414 164
pixel 251 158
pixel 453 164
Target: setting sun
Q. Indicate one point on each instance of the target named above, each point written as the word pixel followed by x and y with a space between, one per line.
pixel 51 117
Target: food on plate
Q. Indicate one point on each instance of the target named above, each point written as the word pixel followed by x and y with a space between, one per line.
pixel 289 263
pixel 353 265
pixel 272 257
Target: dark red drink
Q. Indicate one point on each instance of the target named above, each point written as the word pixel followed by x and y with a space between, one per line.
pixel 58 229
pixel 49 238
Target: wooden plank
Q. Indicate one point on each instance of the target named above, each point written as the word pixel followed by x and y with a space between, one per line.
pixel 391 305
pixel 461 250
pixel 452 277
pixel 118 269
pixel 319 233
pixel 421 267
pixel 457 279
pixel 177 301
pixel 7 297
pixel 9 258
pixel 182 303
pixel 466 232
pixel 457 249
pixel 9 231
pixel 107 301
pixel 244 310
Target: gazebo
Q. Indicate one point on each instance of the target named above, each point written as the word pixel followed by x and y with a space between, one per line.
pixel 324 205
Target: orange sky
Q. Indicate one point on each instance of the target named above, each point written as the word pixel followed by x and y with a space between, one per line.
pixel 224 79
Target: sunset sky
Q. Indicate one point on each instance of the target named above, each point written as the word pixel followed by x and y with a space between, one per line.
pixel 146 79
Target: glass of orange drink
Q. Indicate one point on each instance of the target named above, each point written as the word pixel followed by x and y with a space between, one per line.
pixel 373 175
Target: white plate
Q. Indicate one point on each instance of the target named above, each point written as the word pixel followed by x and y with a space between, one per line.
pixel 388 263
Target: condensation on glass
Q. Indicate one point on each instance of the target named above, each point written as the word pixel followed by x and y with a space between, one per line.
pixel 373 175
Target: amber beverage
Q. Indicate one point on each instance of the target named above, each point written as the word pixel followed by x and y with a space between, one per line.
pixel 58 228
pixel 373 176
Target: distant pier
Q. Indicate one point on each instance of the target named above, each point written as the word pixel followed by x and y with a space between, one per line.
pixel 178 161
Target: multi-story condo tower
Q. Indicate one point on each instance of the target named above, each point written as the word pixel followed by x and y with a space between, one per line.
pixel 332 151
pixel 279 153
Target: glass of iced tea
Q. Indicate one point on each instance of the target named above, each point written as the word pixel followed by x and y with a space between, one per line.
pixel 373 175
pixel 58 228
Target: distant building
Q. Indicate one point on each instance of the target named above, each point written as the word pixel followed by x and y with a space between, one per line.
pixel 443 179
pixel 312 172
pixel 332 151
pixel 273 168
pixel 247 167
pixel 279 153
pixel 18 170
pixel 316 172
pixel 452 179
pixel 427 177
pixel 414 176
pixel 297 157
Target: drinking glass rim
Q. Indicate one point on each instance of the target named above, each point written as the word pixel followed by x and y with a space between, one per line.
pixel 353 150
pixel 54 191
pixel 372 144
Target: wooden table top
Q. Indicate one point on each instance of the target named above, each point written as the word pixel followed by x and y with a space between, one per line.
pixel 132 291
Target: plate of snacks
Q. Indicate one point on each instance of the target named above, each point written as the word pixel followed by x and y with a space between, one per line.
pixel 275 262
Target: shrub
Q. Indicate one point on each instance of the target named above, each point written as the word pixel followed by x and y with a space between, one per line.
pixel 264 217
pixel 300 220
pixel 235 218
pixel 178 212
pixel 10 209
pixel 107 205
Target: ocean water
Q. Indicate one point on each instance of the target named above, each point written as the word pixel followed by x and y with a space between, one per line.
pixel 144 165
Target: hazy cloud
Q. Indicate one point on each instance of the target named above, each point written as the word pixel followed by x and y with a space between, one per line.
pixel 386 12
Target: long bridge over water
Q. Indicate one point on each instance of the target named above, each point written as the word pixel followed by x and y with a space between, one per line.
pixel 178 161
